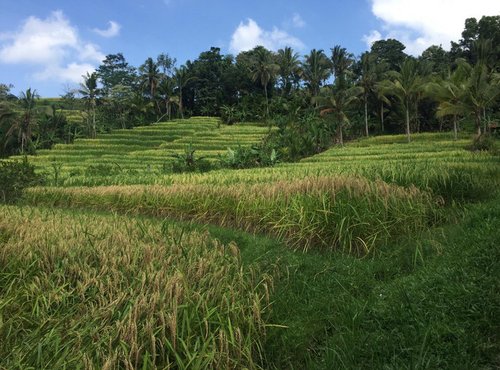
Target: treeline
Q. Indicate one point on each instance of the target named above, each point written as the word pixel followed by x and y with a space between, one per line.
pixel 315 100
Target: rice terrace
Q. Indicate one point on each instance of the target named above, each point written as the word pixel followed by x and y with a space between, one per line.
pixel 264 208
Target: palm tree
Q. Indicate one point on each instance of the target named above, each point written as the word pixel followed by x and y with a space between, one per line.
pixel 181 79
pixel 24 124
pixel 448 93
pixel 7 119
pixel 367 82
pixel 88 90
pixel 384 101
pixel 150 78
pixel 166 92
pixel 316 69
pixel 474 95
pixel 341 62
pixel 404 85
pixel 289 65
pixel 263 69
pixel 335 102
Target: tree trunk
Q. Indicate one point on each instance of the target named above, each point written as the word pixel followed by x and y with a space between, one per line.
pixel 478 123
pixel 181 108
pixel 23 141
pixel 382 116
pixel 94 133
pixel 455 129
pixel 485 128
pixel 341 136
pixel 366 116
pixel 267 101
pixel 408 124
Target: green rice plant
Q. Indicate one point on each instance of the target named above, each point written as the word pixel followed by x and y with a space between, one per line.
pixel 88 291
pixel 347 213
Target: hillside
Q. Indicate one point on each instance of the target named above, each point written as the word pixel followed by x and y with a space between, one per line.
pixel 143 151
pixel 379 254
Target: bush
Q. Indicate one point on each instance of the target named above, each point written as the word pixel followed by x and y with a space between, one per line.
pixel 249 157
pixel 188 162
pixel 15 177
pixel 484 142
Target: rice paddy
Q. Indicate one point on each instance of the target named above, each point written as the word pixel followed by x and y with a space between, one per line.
pixel 109 267
pixel 147 149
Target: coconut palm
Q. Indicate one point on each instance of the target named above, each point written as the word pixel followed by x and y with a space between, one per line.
pixel 476 93
pixel 263 69
pixel 383 101
pixel 150 78
pixel 24 124
pixel 316 69
pixel 405 86
pixel 341 62
pixel 289 68
pixel 335 103
pixel 181 78
pixel 448 92
pixel 89 91
pixel 368 81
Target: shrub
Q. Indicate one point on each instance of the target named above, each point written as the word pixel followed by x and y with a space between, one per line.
pixel 188 162
pixel 482 142
pixel 249 157
pixel 15 176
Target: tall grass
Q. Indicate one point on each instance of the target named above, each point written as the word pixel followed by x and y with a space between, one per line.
pixel 107 292
pixel 347 213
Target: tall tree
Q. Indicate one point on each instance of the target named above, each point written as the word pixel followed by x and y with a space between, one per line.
pixel 488 27
pixel 477 90
pixel 391 51
pixel 341 63
pixel 149 77
pixel 24 124
pixel 367 82
pixel 448 92
pixel 289 69
pixel 405 85
pixel 264 70
pixel 166 64
pixel 89 92
pixel 5 93
pixel 115 70
pixel 316 69
pixel 438 59
pixel 181 78
pixel 335 103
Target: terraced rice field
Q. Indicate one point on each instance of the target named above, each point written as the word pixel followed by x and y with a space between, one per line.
pixel 147 149
pixel 350 268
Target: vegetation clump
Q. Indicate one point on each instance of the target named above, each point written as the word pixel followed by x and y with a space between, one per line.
pixel 483 142
pixel 15 176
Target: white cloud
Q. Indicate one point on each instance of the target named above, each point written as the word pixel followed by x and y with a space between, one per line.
pixel 40 41
pixel 90 52
pixel 52 46
pixel 297 21
pixel 112 31
pixel 72 72
pixel 248 35
pixel 420 24
pixel 371 38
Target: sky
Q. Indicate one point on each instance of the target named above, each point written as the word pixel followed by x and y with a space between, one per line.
pixel 48 45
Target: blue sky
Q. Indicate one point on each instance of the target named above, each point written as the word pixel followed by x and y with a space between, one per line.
pixel 49 44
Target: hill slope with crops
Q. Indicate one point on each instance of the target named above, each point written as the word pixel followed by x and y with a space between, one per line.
pixel 378 254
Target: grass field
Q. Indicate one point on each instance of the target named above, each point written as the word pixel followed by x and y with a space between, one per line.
pixel 380 254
